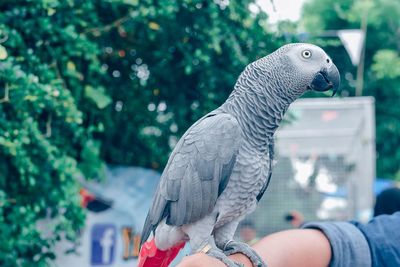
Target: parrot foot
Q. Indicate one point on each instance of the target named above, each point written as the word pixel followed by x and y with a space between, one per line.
pixel 218 254
pixel 233 247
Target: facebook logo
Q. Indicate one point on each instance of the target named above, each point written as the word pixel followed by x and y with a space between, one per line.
pixel 103 244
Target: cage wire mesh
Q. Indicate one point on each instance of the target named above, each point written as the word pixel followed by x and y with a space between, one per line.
pixel 325 164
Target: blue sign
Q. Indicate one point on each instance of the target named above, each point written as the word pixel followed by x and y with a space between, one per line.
pixel 103 244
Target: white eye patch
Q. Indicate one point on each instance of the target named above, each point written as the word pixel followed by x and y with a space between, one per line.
pixel 306 54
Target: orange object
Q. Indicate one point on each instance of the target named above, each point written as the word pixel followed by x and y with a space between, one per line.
pixel 151 256
pixel 86 197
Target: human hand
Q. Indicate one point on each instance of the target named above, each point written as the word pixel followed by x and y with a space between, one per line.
pixel 203 260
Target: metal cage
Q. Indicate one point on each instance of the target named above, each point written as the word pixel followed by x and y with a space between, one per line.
pixel 325 164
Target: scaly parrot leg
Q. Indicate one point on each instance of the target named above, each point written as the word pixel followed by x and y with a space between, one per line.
pixel 225 233
pixel 201 240
pixel 223 239
pixel 218 254
pixel 233 247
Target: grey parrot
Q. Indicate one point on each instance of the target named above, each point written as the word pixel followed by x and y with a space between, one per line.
pixel 221 166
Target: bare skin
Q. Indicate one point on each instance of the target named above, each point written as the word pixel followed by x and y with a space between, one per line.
pixel 297 248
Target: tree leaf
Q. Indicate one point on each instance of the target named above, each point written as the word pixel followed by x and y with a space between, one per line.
pixel 154 26
pixel 3 53
pixel 97 96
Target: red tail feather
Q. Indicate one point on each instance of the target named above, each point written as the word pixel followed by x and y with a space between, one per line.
pixel 151 256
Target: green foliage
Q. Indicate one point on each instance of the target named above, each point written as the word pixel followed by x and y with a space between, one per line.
pixel 386 64
pixel 382 70
pixel 318 16
pixel 46 124
pixel 170 63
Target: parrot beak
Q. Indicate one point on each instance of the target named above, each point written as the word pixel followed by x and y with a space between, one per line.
pixel 325 79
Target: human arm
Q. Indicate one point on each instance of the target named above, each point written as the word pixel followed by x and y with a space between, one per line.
pixel 331 244
pixel 300 247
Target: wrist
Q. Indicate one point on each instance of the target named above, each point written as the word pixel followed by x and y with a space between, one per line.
pixel 241 258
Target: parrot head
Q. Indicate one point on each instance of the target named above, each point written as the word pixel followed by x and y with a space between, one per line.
pixel 310 67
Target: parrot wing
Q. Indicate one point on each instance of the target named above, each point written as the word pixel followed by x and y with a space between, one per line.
pixel 197 172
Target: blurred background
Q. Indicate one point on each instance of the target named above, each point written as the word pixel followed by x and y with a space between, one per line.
pixel 95 94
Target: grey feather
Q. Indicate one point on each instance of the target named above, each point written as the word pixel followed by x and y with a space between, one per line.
pixel 222 165
pixel 196 173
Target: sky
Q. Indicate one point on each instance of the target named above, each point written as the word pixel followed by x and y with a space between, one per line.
pixel 281 9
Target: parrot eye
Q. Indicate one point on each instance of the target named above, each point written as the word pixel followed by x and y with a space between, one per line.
pixel 306 54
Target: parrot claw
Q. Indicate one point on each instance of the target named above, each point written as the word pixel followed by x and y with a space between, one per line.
pixel 218 254
pixel 233 247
